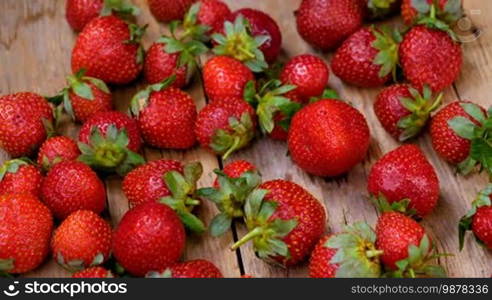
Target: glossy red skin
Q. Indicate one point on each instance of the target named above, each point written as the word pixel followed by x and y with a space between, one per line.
pixel 198 268
pixel 235 169
pixel 430 56
pixel 159 65
pixel 146 184
pixel 213 13
pixel 353 61
pixel 409 14
pixel 80 12
pixel 168 120
pixel 21 127
pixel 93 272
pixel 70 186
pixel 82 236
pixel 445 141
pixel 319 263
pixel 26 231
pixel 294 202
pixel 169 10
pixel 120 120
pixel 102 50
pixel 406 173
pixel 225 77
pixel 27 180
pixel 215 116
pixel 388 108
pixel 83 108
pixel 61 148
pixel 308 73
pixel 326 23
pixel 482 225
pixel 328 138
pixel 150 237
pixel 394 233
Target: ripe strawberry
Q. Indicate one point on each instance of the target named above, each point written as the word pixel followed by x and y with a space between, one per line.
pixel 403 111
pixel 406 247
pixel 235 169
pixel 213 13
pixel 25 233
pixel 328 138
pixel 430 56
pixel 448 11
pixel 82 240
pixel 25 122
pixel 406 180
pixel 19 176
pixel 198 268
pixel 225 77
pixel 93 272
pixel 150 237
pixel 160 64
pixel 169 10
pixel 110 141
pixel 57 149
pixel 284 221
pixel 479 219
pixel 109 49
pixel 166 116
pixel 460 134
pixel 326 23
pixel 70 186
pixel 367 58
pixel 225 126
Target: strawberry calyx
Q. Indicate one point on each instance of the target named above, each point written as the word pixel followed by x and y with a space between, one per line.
pixel 380 8
pixel 238 135
pixel 229 197
pixel 121 7
pixel 238 42
pixel 136 34
pixel 432 17
pixel 12 166
pixel 141 99
pixel 78 264
pixel 482 199
pixel 327 94
pixel 386 43
pixel 420 106
pixel 402 206
pixel 167 273
pixel 190 25
pixel 182 199
pixel 265 232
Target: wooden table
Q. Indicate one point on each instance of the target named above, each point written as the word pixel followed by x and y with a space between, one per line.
pixel 35 47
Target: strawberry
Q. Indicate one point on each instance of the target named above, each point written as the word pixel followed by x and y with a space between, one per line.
pixel 166 116
pixel 284 221
pixel 379 9
pixel 25 122
pixel 479 219
pixel 328 138
pixel 225 126
pixel 367 58
pixel 150 237
pixel 93 272
pixel 235 169
pixel 159 65
pixel 448 11
pixel 70 186
pixel 403 111
pixel 20 176
pixel 225 77
pixel 461 134
pixel 198 268
pixel 406 247
pixel 169 10
pixel 109 141
pixel 325 24
pixel 109 49
pixel 348 254
pixel 25 233
pixel 213 13
pixel 82 240
pixel 406 180
pixel 57 149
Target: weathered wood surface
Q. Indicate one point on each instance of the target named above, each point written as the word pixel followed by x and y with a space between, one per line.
pixel 35 46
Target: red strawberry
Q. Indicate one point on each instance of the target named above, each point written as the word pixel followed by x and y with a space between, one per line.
pixel 447 10
pixel 169 10
pixel 479 219
pixel 109 49
pixel 367 58
pixel 328 138
pixel 225 77
pixel 25 121
pixel 57 149
pixel 406 180
pixel 110 141
pixel 19 176
pixel 235 169
pixel 150 237
pixel 320 265
pixel 213 13
pixel 25 233
pixel 403 111
pixel 284 221
pixel 82 240
pixel 326 23
pixel 70 186
pixel 159 65
pixel 198 268
pixel 93 272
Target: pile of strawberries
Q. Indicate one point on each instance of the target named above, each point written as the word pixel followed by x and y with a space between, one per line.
pixel 54 181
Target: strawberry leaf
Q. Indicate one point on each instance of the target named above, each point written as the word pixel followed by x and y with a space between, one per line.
pixel 462 127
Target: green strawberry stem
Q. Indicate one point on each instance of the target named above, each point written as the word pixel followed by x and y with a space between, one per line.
pixel 374 253
pixel 109 155
pixel 248 237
